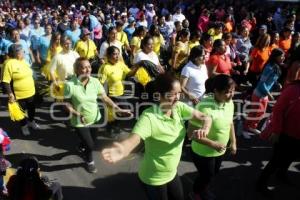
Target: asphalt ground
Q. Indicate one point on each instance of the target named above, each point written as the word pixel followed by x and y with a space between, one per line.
pixel 55 147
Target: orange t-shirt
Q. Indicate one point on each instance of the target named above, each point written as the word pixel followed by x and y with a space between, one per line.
pixel 228 27
pixel 223 65
pixel 285 44
pixel 259 59
pixel 273 46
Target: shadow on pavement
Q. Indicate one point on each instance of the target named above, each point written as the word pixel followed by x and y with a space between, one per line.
pixel 45 160
pixel 115 187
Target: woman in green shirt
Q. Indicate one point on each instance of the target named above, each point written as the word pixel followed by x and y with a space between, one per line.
pixel 207 153
pixel 162 128
pixel 81 93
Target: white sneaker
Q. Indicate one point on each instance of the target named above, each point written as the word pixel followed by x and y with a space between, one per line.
pixel 25 130
pixel 247 135
pixel 34 125
pixel 254 130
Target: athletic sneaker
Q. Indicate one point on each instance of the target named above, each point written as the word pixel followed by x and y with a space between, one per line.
pixel 25 130
pixel 91 168
pixel 264 190
pixel 247 135
pixel 34 125
pixel 254 130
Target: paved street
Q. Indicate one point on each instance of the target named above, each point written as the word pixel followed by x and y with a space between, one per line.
pixel 55 147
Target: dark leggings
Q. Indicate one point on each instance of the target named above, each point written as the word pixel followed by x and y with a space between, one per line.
pixel 87 136
pixel 172 190
pixel 27 104
pixel 207 168
pixel 286 150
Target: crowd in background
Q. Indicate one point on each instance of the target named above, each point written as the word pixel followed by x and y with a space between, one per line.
pixel 211 48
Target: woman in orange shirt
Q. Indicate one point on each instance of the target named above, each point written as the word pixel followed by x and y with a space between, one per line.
pixel 274 41
pixel 285 41
pixel 219 62
pixel 228 23
pixel 258 58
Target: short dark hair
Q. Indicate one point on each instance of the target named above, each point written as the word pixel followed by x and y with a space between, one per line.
pixel 145 40
pixel 196 52
pixel 275 54
pixel 219 83
pixel 77 62
pixel 110 50
pixel 13 50
pixel 164 83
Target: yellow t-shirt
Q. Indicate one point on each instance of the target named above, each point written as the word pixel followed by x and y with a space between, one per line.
pixel 122 37
pixel 51 54
pixel 86 50
pixel 20 73
pixel 183 52
pixel 213 34
pixel 114 75
pixel 157 42
pixel 136 41
pixel 193 44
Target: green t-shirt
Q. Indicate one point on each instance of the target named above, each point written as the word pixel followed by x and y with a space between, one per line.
pixel 163 138
pixel 222 117
pixel 84 100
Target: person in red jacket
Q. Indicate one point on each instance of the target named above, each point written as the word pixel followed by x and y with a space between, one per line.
pixel 285 129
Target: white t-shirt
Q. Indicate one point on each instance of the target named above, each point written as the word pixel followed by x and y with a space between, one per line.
pixel 105 45
pixel 196 78
pixel 152 57
pixel 171 27
pixel 178 17
pixel 63 63
pixel 142 23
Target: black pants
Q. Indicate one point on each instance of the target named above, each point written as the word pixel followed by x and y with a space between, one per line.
pixel 172 190
pixel 29 105
pixel 285 152
pixel 87 136
pixel 207 168
pixel 253 78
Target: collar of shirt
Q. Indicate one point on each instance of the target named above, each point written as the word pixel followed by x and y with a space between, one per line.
pixel 163 116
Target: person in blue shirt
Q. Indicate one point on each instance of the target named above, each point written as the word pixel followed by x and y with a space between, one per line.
pixel 74 33
pixel 129 30
pixel 15 39
pixel 4 44
pixel 34 35
pixel 43 45
pixel 262 93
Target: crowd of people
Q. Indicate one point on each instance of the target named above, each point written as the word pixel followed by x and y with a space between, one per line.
pixel 185 60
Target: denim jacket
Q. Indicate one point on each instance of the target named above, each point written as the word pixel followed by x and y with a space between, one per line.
pixel 268 78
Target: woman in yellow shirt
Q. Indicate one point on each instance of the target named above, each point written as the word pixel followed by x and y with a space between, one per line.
pixel 158 40
pixel 195 39
pixel 86 48
pixel 135 43
pixel 54 48
pixel 121 35
pixel 19 85
pixel 114 72
pixel 181 50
